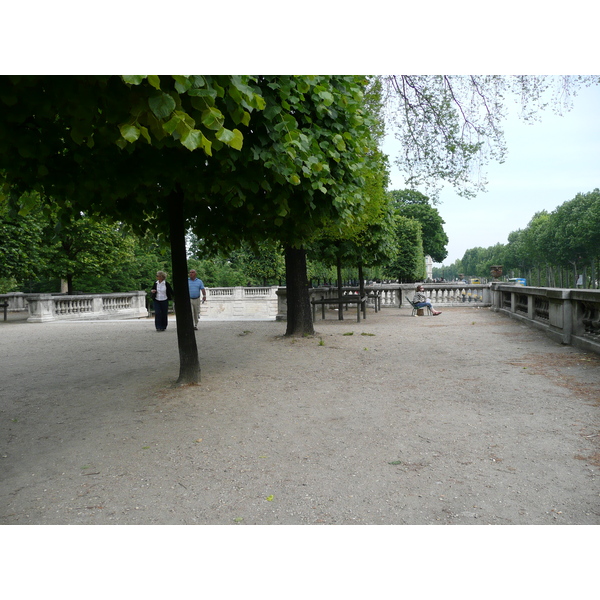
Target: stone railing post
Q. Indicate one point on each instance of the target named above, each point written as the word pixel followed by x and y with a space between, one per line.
pixel 567 320
pixel 530 307
pixel 281 304
pixel 138 303
pixel 41 308
pixel 97 306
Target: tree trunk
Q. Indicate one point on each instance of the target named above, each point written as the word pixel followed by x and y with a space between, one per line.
pixel 299 314
pixel 339 288
pixel 189 365
pixel 69 285
pixel 361 280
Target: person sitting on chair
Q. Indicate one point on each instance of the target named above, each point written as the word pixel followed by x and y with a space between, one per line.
pixel 421 300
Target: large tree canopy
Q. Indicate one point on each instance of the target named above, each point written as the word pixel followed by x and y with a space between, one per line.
pixel 414 205
pixel 123 147
pixel 408 264
pixel 20 243
pixel 304 166
pixel 118 145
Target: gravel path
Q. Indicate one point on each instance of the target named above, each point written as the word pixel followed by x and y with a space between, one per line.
pixel 465 418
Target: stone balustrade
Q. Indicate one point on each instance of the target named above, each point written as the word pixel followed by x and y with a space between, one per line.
pixel 17 301
pixel 240 303
pixel 569 316
pixel 566 315
pixel 441 294
pixel 393 295
pixel 48 307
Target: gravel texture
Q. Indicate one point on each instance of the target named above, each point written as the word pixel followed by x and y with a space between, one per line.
pixel 466 418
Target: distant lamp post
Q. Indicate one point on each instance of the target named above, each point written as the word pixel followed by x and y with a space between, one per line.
pixel 496 272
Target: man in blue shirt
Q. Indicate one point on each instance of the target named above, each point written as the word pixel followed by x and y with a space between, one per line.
pixel 196 286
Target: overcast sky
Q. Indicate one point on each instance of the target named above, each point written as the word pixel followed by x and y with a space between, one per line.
pixel 548 163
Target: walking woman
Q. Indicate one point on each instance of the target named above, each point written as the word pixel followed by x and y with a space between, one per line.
pixel 162 292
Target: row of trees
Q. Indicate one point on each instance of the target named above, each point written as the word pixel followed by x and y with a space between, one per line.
pixel 292 160
pixel 555 248
pixel 97 256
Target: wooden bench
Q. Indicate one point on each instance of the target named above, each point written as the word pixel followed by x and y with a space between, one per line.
pixel 376 294
pixel 361 303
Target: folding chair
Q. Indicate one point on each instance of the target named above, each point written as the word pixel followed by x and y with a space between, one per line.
pixel 416 308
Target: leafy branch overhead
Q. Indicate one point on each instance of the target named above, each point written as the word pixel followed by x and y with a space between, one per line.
pixel 450 127
pixel 185 109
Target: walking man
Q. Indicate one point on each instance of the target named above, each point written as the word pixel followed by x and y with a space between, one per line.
pixel 196 286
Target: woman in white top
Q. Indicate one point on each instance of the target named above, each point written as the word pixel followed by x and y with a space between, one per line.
pixel 162 292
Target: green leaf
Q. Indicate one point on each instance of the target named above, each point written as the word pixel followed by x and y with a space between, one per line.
pixel 182 83
pixel 145 134
pixel 231 138
pixel 133 79
pixel 303 86
pixel 207 146
pixel 192 139
pixel 212 118
pixel 246 118
pixel 172 123
pixel 327 98
pixel 28 202
pixel 197 81
pixel 338 140
pixel 162 105
pixel 154 81
pixel 271 112
pixel 129 131
pixel 77 136
pixel 203 93
pixel 259 102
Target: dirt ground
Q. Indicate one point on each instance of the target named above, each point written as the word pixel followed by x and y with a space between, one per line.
pixel 465 418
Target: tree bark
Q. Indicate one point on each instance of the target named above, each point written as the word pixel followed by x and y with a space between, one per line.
pixel 299 314
pixel 189 364
pixel 339 288
pixel 361 280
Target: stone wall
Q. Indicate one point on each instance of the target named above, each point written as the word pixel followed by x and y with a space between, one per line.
pixel 48 307
pixel 568 316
